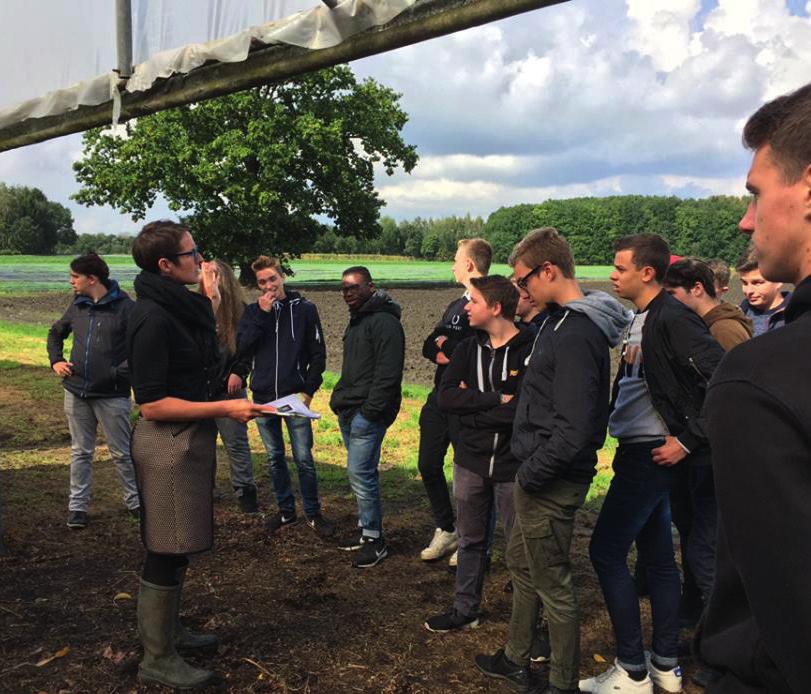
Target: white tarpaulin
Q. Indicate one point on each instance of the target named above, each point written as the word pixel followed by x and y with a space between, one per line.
pixel 223 31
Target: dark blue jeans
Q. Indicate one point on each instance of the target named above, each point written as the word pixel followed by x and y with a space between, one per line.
pixel 301 441
pixel 637 508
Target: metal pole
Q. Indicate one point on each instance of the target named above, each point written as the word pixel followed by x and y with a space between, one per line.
pixel 428 19
pixel 123 26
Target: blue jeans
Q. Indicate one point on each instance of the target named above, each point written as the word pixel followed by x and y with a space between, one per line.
pixel 637 508
pixel 84 415
pixel 234 437
pixel 301 441
pixel 363 439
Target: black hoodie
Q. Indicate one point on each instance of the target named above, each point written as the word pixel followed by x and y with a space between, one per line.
pixel 756 626
pixel 482 443
pixel 372 369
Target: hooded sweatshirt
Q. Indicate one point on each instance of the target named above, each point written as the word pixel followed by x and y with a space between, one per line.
pixel 286 345
pixel 562 410
pixel 767 320
pixel 372 369
pixel 482 443
pixel 728 325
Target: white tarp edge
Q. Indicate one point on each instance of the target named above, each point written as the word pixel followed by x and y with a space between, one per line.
pixel 318 28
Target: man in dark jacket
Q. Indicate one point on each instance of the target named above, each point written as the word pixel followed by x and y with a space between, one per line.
pixel 479 386
pixel 281 332
pixel 668 357
pixel 559 425
pixel 472 259
pixel 96 380
pixel 755 629
pixel 366 400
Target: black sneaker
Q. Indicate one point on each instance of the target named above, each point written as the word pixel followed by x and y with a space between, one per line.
pixel 133 513
pixel 246 497
pixel 77 520
pixel 279 520
pixel 353 542
pixel 321 525
pixel 372 551
pixel 501 667
pixel 451 621
pixel 540 650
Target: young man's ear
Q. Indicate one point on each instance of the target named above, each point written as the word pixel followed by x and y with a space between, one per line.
pixel 496 308
pixel 648 274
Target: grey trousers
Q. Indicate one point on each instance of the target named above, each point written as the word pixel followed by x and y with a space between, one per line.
pixel 541 572
pixel 234 437
pixel 84 416
pixel 475 496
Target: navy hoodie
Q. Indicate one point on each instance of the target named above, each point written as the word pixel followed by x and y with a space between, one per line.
pixel 286 345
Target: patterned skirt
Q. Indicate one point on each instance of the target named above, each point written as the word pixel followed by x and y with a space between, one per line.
pixel 175 463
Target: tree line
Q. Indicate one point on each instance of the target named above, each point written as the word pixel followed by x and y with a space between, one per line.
pixel 32 224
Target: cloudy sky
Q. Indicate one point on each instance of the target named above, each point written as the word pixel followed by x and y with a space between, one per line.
pixel 592 97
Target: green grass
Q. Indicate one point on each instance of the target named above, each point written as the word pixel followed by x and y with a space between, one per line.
pixel 31 273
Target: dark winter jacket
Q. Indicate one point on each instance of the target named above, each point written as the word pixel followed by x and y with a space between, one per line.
pixel 482 443
pixel 767 320
pixel 679 356
pixel 756 626
pixel 535 324
pixel 728 325
pixel 373 356
pixel 99 353
pixel 562 410
pixel 455 327
pixel 286 345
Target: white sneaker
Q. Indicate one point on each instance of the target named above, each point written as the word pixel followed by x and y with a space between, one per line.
pixel 669 680
pixel 452 560
pixel 441 543
pixel 616 680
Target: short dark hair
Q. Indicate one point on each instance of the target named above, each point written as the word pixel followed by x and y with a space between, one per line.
pixel 687 271
pixel 479 251
pixel 497 289
pixel 649 250
pixel 748 261
pixel 541 246
pixel 160 239
pixel 361 270
pixel 784 124
pixel 91 264
pixel 720 270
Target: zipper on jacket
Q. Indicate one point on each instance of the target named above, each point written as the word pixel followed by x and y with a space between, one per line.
pixel 698 371
pixel 276 365
pixel 91 316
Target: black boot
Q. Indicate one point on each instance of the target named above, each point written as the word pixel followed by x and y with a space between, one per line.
pixel 248 502
pixel 157 612
pixel 501 667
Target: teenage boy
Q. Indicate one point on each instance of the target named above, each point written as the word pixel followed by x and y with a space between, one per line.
pixel 668 357
pixel 479 386
pixel 721 276
pixel 692 282
pixel 281 332
pixel 559 426
pixel 527 314
pixel 366 400
pixel 472 259
pixel 755 629
pixel 764 301
pixel 96 380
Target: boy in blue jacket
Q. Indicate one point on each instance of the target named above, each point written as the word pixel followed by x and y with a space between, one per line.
pixel 282 333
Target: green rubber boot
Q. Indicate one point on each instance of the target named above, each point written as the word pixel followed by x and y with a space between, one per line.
pixel 157 612
pixel 185 638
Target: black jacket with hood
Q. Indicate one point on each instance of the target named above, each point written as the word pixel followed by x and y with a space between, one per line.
pixel 455 327
pixel 373 356
pixel 680 357
pixel 756 624
pixel 99 353
pixel 482 443
pixel 562 411
pixel 286 345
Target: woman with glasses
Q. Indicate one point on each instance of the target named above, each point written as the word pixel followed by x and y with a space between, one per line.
pixel 174 361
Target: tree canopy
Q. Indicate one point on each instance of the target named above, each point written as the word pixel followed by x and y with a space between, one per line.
pixel 259 171
pixel 32 224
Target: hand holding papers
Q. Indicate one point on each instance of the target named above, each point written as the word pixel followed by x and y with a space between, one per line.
pixel 292 406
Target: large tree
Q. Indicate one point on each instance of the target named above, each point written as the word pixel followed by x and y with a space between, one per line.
pixel 30 223
pixel 256 171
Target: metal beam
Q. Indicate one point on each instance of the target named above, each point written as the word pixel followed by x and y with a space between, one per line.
pixel 123 33
pixel 427 19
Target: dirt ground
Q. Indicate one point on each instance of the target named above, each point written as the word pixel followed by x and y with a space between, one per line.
pixel 291 613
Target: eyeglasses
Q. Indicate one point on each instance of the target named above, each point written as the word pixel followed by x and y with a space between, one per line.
pixel 521 282
pixel 195 252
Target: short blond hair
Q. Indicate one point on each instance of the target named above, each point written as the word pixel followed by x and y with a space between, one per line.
pixel 541 246
pixel 264 262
